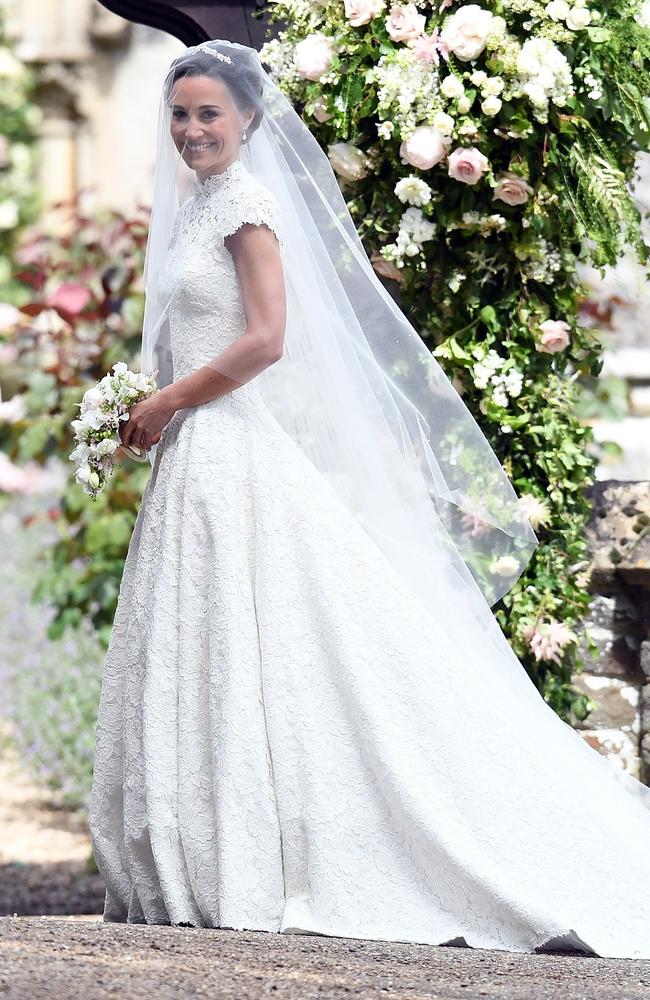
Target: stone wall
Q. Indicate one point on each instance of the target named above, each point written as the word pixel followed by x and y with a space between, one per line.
pixel 618 677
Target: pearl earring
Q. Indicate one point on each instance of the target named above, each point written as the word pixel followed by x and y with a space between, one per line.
pixel 243 136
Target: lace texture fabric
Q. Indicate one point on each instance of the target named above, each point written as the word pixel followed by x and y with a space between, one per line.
pixel 287 742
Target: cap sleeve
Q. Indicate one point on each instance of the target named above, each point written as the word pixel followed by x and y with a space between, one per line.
pixel 256 205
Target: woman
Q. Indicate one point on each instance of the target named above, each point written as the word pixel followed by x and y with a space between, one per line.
pixel 310 720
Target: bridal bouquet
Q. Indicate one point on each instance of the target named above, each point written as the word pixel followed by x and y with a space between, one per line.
pixel 102 409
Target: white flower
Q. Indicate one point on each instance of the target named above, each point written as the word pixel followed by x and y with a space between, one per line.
pixel 413 191
pixel 544 74
pixel 491 106
pixel 534 510
pixel 443 123
pixel 493 86
pixel 107 446
pixel 464 104
pixel 452 86
pixel 80 453
pixel 385 130
pixel 479 77
pixel 466 31
pixel 83 474
pixel 558 9
pixel 119 368
pixel 92 399
pixel 578 18
pixel 504 566
pixel 94 419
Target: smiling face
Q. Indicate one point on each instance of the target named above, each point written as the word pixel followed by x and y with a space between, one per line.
pixel 206 126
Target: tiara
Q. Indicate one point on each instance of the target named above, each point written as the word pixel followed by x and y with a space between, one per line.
pixel 212 52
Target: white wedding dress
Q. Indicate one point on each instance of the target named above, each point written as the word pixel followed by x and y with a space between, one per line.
pixel 286 741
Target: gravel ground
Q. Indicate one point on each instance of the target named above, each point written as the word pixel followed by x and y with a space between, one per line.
pixel 62 958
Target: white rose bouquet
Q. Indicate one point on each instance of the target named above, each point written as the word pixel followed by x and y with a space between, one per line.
pixel 102 409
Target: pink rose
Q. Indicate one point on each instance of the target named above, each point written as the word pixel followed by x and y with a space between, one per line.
pixel 313 56
pixel 467 165
pixel 424 148
pixel 359 12
pixel 555 336
pixel 512 189
pixel 405 22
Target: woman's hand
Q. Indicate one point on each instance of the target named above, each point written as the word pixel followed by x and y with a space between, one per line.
pixel 147 420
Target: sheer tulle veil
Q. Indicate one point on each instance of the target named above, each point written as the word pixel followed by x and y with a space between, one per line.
pixel 356 388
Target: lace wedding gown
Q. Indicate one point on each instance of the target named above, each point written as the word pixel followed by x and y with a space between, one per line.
pixel 286 743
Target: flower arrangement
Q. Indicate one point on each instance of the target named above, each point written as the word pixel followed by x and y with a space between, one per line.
pixel 102 409
pixel 486 151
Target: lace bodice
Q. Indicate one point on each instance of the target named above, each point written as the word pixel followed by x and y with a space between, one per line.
pixel 206 312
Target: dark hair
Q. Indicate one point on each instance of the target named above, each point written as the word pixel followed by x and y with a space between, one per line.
pixel 239 73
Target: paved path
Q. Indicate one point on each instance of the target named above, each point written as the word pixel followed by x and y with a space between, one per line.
pixel 57 958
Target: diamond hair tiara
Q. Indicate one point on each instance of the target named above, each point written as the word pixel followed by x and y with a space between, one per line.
pixel 204 48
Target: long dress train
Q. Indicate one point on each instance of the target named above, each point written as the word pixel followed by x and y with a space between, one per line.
pixel 287 742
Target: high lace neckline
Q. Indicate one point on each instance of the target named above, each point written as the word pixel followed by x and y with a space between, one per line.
pixel 213 182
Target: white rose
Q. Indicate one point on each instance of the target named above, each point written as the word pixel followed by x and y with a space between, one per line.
pixel 491 106
pixel 348 161
pixel 107 446
pixel 120 368
pixel 558 9
pixel 479 77
pixel 80 453
pixel 93 480
pixel 578 18
pixel 467 30
pixel 83 474
pixel 464 104
pixel 452 87
pixel 313 56
pixel 443 123
pixel 493 86
pixel 92 399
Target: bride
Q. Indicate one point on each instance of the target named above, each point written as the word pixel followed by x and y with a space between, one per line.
pixel 310 720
